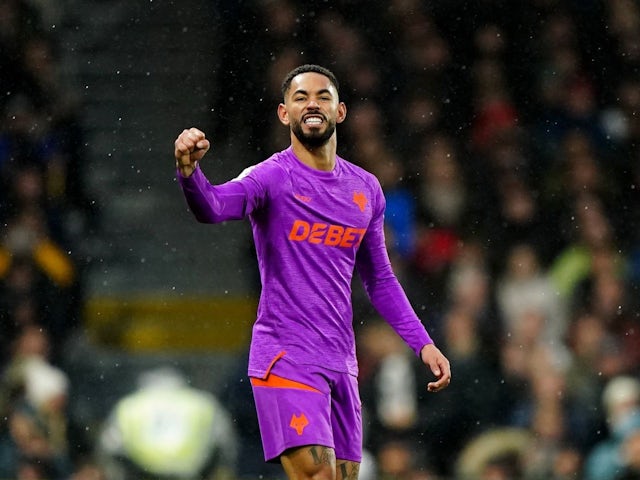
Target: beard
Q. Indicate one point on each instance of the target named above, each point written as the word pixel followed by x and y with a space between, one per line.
pixel 314 139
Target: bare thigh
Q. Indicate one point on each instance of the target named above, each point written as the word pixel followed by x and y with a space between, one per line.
pixel 317 462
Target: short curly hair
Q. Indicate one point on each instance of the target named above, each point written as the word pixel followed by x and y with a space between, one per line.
pixel 286 83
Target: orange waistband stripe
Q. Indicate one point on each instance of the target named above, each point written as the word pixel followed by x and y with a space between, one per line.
pixel 274 381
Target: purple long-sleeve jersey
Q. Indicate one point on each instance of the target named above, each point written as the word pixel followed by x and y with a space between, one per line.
pixel 311 228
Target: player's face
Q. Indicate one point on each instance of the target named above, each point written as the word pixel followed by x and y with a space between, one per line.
pixel 312 109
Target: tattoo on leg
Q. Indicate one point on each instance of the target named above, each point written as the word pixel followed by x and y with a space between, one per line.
pixel 322 455
pixel 346 474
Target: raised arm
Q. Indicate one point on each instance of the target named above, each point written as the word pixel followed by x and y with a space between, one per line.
pixel 190 146
pixel 208 203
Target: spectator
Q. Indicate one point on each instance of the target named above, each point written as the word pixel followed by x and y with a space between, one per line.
pixel 523 288
pixel 167 429
pixel 400 211
pixel 496 454
pixel 630 457
pixel 592 233
pixel 621 401
pixel 449 423
pixel 396 461
pixel 35 265
pixel 36 439
pixel 388 384
pixel 443 212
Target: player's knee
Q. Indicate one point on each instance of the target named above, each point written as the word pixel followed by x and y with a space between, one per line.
pixel 320 472
pixel 312 472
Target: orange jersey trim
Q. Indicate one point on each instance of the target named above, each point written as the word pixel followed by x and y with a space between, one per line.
pixel 273 362
pixel 274 381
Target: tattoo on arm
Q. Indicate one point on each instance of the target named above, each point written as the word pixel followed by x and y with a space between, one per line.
pixel 349 470
pixel 322 455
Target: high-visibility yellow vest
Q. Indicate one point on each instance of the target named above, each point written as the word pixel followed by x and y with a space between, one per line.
pixel 167 431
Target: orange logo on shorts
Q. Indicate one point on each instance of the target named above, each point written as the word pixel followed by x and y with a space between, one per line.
pixel 298 423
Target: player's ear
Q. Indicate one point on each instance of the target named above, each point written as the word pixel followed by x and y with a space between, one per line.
pixel 283 115
pixel 342 112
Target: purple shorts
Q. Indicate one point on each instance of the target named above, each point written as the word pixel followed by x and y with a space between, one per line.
pixel 308 405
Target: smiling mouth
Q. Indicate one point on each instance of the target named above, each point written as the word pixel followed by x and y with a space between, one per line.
pixel 313 120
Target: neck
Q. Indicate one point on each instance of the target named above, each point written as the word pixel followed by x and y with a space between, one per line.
pixel 320 158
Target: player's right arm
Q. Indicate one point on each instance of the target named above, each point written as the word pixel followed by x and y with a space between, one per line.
pixel 233 200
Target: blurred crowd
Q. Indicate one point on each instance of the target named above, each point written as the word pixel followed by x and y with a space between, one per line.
pixel 507 142
pixel 44 215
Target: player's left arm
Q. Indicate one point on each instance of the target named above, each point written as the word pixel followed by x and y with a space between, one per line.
pixel 391 302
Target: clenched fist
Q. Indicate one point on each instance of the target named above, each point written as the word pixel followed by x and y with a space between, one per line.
pixel 190 147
